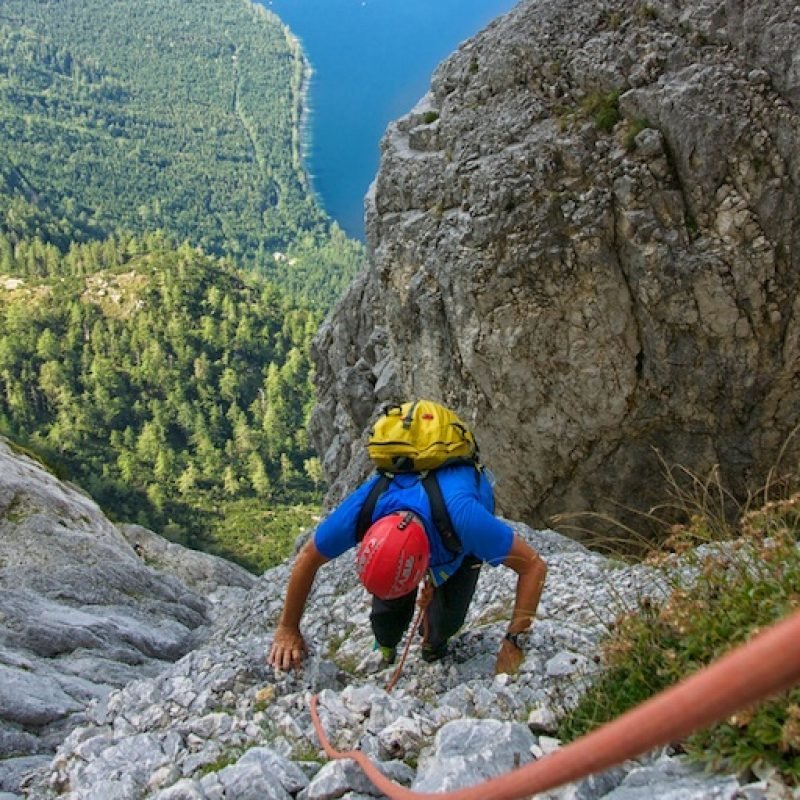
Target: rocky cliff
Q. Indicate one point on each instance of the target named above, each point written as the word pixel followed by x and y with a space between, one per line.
pixel 82 612
pixel 584 238
pixel 220 725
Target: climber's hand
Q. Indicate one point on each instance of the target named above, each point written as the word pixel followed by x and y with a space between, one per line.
pixel 288 649
pixel 509 658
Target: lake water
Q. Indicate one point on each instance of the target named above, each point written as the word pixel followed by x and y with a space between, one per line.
pixel 372 62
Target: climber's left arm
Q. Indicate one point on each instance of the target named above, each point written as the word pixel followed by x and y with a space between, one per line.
pixel 531 572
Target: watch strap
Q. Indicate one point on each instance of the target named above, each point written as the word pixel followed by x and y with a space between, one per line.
pixel 519 640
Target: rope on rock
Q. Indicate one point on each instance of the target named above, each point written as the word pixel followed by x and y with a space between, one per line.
pixel 768 664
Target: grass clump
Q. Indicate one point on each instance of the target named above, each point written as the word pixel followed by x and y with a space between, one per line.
pixel 225 759
pixel 307 752
pixel 727 580
pixel 604 109
pixel 646 12
pixel 634 128
pixel 40 457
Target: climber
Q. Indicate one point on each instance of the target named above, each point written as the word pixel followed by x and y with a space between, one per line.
pixel 401 546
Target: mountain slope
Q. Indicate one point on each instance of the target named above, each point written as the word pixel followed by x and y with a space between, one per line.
pixel 220 724
pixel 166 383
pixel 157 114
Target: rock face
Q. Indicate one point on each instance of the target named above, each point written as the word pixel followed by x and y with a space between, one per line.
pixel 223 582
pixel 584 238
pixel 220 725
pixel 80 613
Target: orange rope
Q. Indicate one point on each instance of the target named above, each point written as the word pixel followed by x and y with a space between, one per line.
pixel 768 664
pixel 423 601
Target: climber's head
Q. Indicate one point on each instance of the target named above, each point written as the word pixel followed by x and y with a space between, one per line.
pixel 393 555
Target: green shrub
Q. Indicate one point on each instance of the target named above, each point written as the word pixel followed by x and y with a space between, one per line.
pixel 722 593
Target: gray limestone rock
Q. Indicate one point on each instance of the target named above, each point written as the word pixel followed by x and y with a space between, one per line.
pixel 288 774
pixel 202 572
pixel 80 613
pixel 245 781
pixel 671 779
pixel 470 751
pixel 30 700
pixel 218 723
pixel 337 778
pixel 182 790
pixel 14 770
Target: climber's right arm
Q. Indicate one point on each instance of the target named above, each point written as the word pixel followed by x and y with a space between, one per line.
pixel 288 646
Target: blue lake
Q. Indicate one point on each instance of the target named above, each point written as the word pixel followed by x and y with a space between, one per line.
pixel 372 62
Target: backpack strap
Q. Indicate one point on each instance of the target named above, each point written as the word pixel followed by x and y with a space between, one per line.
pixel 409 418
pixel 440 514
pixel 365 515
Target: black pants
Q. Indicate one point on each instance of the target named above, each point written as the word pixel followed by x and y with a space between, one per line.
pixel 446 612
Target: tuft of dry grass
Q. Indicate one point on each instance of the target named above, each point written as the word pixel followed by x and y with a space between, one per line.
pixel 733 569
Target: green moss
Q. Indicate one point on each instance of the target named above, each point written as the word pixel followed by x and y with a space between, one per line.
pixel 16 511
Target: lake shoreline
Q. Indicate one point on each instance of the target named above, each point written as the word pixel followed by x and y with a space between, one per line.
pixel 370 63
pixel 302 108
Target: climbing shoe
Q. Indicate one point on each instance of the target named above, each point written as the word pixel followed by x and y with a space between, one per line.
pixel 431 654
pixel 388 654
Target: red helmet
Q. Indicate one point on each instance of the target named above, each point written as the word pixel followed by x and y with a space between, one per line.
pixel 393 556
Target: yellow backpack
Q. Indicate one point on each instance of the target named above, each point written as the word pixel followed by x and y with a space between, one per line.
pixel 420 436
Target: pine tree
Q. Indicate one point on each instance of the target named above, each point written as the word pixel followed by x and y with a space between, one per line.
pixel 230 483
pixel 187 481
pixel 259 479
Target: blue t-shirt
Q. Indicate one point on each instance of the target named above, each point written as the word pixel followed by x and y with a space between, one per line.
pixel 470 504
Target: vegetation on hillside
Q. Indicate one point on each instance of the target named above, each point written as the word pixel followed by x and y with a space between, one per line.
pixel 156 374
pixel 163 115
pixel 170 387
pixel 727 582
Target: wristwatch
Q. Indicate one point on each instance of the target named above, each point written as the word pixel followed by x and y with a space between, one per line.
pixel 520 640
